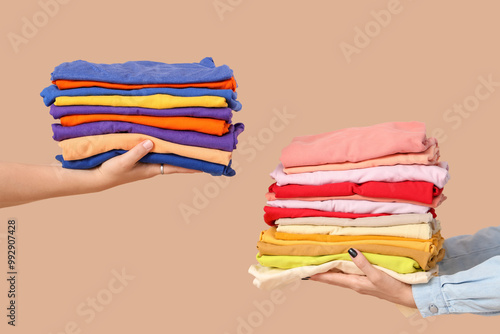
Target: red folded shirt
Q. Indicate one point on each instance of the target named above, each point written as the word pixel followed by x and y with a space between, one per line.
pixel 418 191
pixel 272 214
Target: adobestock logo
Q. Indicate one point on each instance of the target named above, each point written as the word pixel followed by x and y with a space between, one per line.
pixel 223 6
pixel 248 149
pixel 30 26
pixel 462 110
pixel 363 37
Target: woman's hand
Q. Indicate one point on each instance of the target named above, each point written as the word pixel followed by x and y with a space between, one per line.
pixel 20 183
pixel 126 168
pixel 375 283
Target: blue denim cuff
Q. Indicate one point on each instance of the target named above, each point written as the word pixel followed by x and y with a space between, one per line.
pixel 429 298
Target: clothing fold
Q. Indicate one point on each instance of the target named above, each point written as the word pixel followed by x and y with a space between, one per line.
pixel 84 147
pixel 226 142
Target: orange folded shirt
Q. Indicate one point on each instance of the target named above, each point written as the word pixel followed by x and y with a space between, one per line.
pixel 210 126
pixel 69 84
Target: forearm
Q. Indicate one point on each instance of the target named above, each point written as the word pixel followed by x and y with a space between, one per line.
pixel 471 291
pixel 466 251
pixel 20 183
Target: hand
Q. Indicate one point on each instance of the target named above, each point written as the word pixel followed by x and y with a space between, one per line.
pixel 375 283
pixel 126 168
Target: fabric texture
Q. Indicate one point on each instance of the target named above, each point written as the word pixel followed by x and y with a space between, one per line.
pixel 200 112
pixel 381 221
pixel 143 72
pixel 427 157
pixel 158 101
pixel 153 158
pixel 226 142
pixel 267 278
pixel 432 246
pixel 84 147
pixel 70 84
pixel 50 93
pixel 469 282
pixel 273 213
pixel 402 265
pixel 416 231
pixel 418 191
pixel 357 144
pixel 436 201
pixel 210 126
pixel 438 175
pixel 360 207
pixel 426 260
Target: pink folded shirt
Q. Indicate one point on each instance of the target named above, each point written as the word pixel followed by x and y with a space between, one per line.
pixel 352 206
pixel 357 144
pixel 435 174
pixel 437 201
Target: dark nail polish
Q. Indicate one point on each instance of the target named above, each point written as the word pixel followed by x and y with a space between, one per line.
pixel 306 278
pixel 352 252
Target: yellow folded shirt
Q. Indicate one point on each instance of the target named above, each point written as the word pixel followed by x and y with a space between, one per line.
pixel 431 245
pixel 416 231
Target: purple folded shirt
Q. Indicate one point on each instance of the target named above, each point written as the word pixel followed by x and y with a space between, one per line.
pixel 217 113
pixel 227 142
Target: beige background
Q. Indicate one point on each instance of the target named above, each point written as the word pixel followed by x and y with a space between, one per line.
pixel 191 277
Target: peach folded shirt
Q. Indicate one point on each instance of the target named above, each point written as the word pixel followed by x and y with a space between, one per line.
pixel 428 157
pixel 84 147
pixel 210 126
pixel 357 144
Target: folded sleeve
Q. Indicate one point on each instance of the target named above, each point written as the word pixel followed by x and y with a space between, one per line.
pixel 470 291
pixel 466 251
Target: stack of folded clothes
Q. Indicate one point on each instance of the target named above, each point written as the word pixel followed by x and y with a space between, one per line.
pixel 184 109
pixel 371 188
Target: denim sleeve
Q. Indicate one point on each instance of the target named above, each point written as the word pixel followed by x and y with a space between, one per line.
pixel 469 277
pixel 466 251
pixel 471 291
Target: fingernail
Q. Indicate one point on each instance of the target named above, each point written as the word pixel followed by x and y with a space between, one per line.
pixel 352 252
pixel 148 144
pixel 306 278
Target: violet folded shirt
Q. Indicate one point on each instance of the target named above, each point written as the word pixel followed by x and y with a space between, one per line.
pixel 438 175
pixel 51 92
pixel 356 144
pixel 143 72
pixel 199 112
pixel 226 142
pixel 352 206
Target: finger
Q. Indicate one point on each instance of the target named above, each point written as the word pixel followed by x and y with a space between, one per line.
pixel 136 153
pixel 366 267
pixel 338 279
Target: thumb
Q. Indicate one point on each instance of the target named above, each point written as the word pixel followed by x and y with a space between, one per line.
pixel 362 263
pixel 130 158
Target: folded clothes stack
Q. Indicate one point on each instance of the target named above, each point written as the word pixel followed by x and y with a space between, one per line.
pixel 371 188
pixel 184 109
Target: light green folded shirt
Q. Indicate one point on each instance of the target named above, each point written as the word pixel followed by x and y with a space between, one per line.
pixel 399 264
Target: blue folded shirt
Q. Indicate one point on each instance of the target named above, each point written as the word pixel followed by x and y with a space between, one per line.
pixel 50 93
pixel 154 158
pixel 143 72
